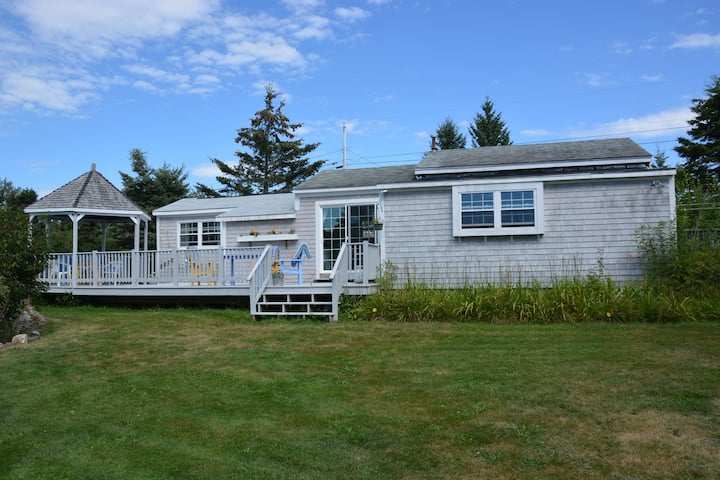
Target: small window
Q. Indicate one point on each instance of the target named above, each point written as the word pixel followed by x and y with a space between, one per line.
pixel 200 234
pixel 189 234
pixel 211 233
pixel 477 210
pixel 518 208
pixel 497 209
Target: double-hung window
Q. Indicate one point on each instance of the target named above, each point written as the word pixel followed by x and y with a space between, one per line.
pixel 498 209
pixel 199 234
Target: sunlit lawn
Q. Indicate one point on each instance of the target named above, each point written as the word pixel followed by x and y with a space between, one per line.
pixel 133 394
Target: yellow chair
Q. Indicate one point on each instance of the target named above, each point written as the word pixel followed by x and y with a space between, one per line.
pixel 208 270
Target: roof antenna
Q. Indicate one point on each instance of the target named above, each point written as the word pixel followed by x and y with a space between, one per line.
pixel 344 148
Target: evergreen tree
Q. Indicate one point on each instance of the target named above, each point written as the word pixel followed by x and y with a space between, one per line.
pixel 488 129
pixel 659 159
pixel 274 160
pixel 698 177
pixel 449 136
pixel 702 151
pixel 152 188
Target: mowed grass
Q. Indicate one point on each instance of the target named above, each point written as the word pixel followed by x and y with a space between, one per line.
pixel 156 394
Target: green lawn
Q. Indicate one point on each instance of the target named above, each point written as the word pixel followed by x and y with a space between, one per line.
pixel 166 394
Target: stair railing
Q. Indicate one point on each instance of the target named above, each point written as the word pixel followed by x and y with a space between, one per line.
pixel 260 277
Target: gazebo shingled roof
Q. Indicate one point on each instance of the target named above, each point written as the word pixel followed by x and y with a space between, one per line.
pixel 91 196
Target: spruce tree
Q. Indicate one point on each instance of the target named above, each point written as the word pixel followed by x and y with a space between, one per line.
pixel 273 160
pixel 449 136
pixel 702 151
pixel 488 129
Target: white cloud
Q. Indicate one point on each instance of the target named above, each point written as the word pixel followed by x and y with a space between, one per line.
pixel 103 28
pixel 48 46
pixel 652 78
pixel 37 89
pixel 317 27
pixel 597 79
pixel 352 14
pixel 537 132
pixel 208 170
pixel 697 40
pixel 647 126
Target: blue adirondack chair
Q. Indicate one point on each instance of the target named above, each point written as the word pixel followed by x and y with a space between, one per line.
pixel 293 266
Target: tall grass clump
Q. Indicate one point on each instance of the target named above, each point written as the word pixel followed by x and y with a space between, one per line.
pixel 593 298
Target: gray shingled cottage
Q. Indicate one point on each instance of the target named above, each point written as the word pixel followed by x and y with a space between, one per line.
pixel 517 213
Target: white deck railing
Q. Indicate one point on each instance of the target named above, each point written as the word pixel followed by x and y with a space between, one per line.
pixel 219 266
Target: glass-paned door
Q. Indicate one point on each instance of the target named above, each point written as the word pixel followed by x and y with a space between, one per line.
pixel 347 223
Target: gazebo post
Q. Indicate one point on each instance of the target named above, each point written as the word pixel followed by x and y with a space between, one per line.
pixel 75 217
pixel 136 251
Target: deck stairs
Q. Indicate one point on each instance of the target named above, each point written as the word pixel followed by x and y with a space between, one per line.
pixel 296 300
pixel 353 273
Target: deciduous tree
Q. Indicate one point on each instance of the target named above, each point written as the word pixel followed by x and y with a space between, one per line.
pixel 22 257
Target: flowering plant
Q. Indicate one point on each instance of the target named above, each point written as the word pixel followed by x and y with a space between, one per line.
pixel 275 269
pixel 254 233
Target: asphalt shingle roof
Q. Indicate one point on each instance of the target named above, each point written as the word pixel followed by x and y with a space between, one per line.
pixel 614 148
pixel 90 192
pixel 359 177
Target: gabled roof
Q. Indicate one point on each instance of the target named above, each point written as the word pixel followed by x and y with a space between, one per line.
pixel 608 152
pixel 508 160
pixel 90 193
pixel 358 177
pixel 249 207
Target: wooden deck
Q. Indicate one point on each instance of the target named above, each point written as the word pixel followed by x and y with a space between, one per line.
pixel 197 276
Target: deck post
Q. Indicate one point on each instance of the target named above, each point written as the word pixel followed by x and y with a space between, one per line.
pixel 95 269
pixel 135 267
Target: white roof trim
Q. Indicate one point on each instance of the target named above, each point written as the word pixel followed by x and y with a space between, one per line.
pixel 529 166
pixel 177 213
pixel 90 211
pixel 534 178
pixel 248 218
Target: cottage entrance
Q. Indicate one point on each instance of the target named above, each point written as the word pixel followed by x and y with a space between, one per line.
pixel 345 224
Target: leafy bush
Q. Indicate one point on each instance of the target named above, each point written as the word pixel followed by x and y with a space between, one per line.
pixel 21 261
pixel 686 264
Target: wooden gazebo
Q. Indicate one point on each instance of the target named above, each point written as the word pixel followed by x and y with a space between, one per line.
pixel 91 197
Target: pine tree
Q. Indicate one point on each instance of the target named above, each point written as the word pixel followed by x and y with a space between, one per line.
pixel 448 136
pixel 488 129
pixel 273 159
pixel 659 159
pixel 153 188
pixel 702 153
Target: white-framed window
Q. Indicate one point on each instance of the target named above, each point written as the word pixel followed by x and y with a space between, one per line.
pixel 199 234
pixel 498 209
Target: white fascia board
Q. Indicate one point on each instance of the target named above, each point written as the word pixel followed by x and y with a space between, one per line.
pixel 328 192
pixel 535 178
pixel 179 213
pixel 529 166
pixel 249 218
pixel 90 211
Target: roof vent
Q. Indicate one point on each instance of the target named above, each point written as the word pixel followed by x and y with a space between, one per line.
pixel 92 167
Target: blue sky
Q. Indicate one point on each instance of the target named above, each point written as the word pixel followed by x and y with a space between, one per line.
pixel 85 81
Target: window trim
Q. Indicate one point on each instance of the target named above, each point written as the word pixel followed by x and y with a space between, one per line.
pixel 200 233
pixel 497 189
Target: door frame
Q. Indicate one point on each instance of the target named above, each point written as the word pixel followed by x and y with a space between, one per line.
pixel 341 202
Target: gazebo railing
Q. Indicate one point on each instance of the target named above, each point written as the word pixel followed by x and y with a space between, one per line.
pixel 219 266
